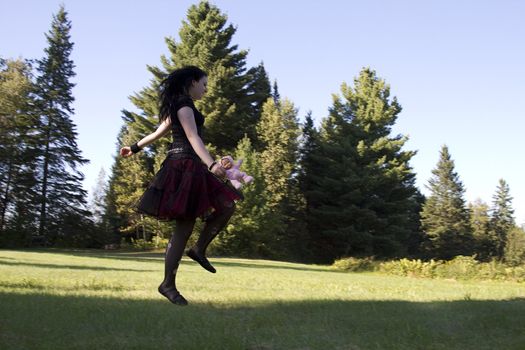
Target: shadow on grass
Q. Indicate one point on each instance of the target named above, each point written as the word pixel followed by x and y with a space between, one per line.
pixel 261 265
pixel 145 256
pixel 158 256
pixel 73 267
pixel 72 322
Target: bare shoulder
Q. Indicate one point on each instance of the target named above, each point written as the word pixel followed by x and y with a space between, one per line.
pixel 185 112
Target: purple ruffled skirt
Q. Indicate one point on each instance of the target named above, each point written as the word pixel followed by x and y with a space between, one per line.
pixel 185 189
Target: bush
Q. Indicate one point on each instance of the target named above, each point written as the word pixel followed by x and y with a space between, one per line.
pixel 406 267
pixel 461 268
pixel 141 244
pixel 355 264
pixel 514 254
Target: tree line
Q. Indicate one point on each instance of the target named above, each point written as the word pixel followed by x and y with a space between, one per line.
pixel 42 198
pixel 343 188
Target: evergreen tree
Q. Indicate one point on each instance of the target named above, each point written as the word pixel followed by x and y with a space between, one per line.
pixel 231 106
pixel 364 197
pixel 514 253
pixel 113 220
pixel 480 223
pixel 309 146
pixel 445 218
pixel 416 237
pixel 258 91
pixel 278 132
pixel 275 93
pixel 60 181
pixel 247 233
pixel 206 42
pixel 17 153
pixel 98 199
pixel 129 179
pixel 328 206
pixel 502 217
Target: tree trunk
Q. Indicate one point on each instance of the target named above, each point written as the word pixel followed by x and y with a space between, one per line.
pixel 5 200
pixel 44 183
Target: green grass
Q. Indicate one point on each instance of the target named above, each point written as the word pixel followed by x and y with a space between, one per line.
pixel 65 299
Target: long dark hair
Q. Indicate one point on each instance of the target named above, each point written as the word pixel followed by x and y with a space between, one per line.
pixel 176 86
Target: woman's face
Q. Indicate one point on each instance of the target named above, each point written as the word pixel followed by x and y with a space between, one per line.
pixel 199 88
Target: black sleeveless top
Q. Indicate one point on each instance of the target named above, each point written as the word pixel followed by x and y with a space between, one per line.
pixel 181 147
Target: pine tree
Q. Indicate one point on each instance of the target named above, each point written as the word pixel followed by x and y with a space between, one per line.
pixel 275 93
pixel 17 153
pixel 328 205
pixel 480 223
pixel 445 218
pixel 258 91
pixel 248 233
pixel 502 217
pixel 514 252
pixel 60 181
pixel 130 178
pixel 113 221
pixel 278 132
pixel 364 197
pixel 231 106
pixel 206 42
pixel 309 146
pixel 98 199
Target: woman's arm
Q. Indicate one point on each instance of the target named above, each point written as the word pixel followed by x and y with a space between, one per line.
pixel 187 120
pixel 162 130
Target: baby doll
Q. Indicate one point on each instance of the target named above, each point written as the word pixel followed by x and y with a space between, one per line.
pixel 236 177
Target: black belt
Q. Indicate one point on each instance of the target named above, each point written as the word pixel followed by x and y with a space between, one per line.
pixel 182 152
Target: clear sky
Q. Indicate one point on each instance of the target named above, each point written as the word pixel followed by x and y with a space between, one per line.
pixel 456 67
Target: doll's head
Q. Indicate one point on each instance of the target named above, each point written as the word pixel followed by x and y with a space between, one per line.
pixel 227 162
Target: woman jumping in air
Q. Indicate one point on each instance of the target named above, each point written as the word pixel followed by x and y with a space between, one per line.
pixel 188 184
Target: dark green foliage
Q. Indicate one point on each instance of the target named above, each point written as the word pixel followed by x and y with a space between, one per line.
pixel 249 232
pixel 308 147
pixel 60 181
pixel 235 96
pixel 258 92
pixel 484 243
pixel 445 218
pixel 416 237
pixel 43 201
pixel 18 149
pixel 306 170
pixel 502 219
pixel 232 108
pixel 275 93
pixel 514 253
pixel 103 232
pixel 363 199
pixel 279 132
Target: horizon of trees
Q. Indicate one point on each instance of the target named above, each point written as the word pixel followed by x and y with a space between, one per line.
pixel 343 188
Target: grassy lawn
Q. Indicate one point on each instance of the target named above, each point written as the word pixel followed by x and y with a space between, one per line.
pixel 66 299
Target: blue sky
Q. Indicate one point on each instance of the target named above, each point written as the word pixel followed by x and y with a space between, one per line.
pixel 456 67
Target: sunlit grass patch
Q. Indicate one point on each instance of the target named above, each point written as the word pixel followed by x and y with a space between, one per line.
pixel 60 299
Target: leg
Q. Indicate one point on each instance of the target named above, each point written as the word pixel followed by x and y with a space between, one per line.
pixel 174 252
pixel 214 224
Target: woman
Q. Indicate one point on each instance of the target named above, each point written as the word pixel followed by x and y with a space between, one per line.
pixel 188 183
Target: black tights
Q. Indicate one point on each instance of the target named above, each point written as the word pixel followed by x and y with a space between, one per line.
pixel 183 228
pixel 214 224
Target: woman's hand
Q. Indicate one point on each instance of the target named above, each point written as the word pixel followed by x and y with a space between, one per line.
pixel 125 151
pixel 218 170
